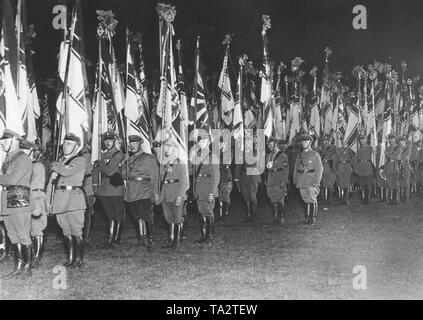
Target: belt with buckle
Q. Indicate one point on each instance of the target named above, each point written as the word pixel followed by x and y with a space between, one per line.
pixel 9 187
pixel 305 171
pixel 170 181
pixel 139 179
pixel 225 167
pixel 275 170
pixel 344 161
pixel 68 188
pixel 39 189
pixel 203 175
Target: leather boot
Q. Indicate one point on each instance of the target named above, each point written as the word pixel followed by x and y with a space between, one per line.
pixel 307 213
pixel 275 212
pixel 314 207
pixel 19 260
pixel 281 213
pixel 141 232
pixel 87 224
pixel 225 210
pixel 171 236
pixel 150 233
pixel 253 211
pixel 329 195
pixel 177 236
pixel 27 257
pixel 70 252
pixel 183 234
pixel 203 230
pixel 3 242
pixel 110 236
pixel 118 233
pixel 211 228
pixel 248 219
pixel 37 243
pixel 79 252
pixel 347 197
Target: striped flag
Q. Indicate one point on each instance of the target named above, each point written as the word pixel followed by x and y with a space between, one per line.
pixel 238 121
pixel 387 126
pixel 202 116
pixel 315 118
pixel 266 100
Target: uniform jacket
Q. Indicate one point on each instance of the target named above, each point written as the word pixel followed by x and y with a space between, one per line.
pixel 308 169
pixel 249 173
pixel 327 156
pixel 277 169
pixel 88 179
pixel 392 155
pixel 363 165
pixel 38 196
pixel 71 171
pixel 111 182
pixel 175 171
pixel 141 165
pixel 17 170
pixel 207 179
pixel 343 162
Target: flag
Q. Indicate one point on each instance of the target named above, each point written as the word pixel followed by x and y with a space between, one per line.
pixel 387 126
pixel 202 114
pixel 351 133
pixel 136 121
pixel 414 124
pixel 46 127
pixel 227 99
pixel 315 118
pixel 279 130
pixel 294 111
pixel 10 117
pixel 238 121
pixel 71 104
pixel 266 100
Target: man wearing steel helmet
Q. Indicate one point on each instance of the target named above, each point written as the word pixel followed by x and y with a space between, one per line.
pixel 68 200
pixel 308 172
pixel 15 201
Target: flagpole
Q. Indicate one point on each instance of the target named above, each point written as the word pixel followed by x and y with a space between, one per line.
pixel 18 23
pixel 197 67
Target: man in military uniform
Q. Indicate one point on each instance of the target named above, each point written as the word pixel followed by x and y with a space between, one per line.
pixel 392 156
pixel 15 201
pixel 247 182
pixel 414 157
pixel 277 179
pixel 404 168
pixel 68 201
pixel 225 184
pixel 142 188
pixel 308 171
pixel 344 158
pixel 111 190
pixel 38 197
pixel 174 185
pixel 207 175
pixel 364 168
pixel 89 192
pixel 329 177
pixel 419 170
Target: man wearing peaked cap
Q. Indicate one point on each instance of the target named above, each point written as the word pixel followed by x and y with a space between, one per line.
pixel 308 172
pixel 392 156
pixel 327 153
pixel 404 168
pixel 68 201
pixel 277 179
pixel 142 188
pixel 364 168
pixel 15 201
pixel 109 187
pixel 343 166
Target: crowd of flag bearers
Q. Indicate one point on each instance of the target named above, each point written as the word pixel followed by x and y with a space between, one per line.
pixel 129 152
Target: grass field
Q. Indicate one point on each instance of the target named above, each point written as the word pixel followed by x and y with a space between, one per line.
pixel 249 261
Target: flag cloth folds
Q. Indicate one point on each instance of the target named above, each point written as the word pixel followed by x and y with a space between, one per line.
pixel 136 121
pixel 71 104
pixel 227 99
pixel 351 133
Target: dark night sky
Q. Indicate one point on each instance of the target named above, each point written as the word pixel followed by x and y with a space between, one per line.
pixel 299 28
